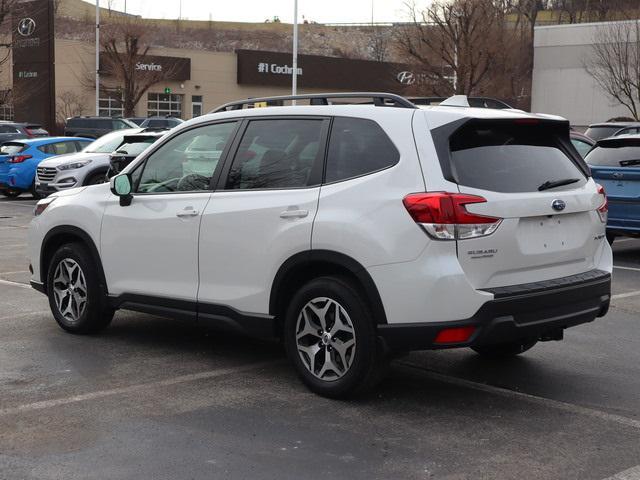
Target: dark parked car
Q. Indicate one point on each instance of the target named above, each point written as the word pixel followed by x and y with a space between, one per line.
pixel 16 131
pixel 598 131
pixel 131 146
pixel 582 143
pixel 615 164
pixel 94 127
pixel 476 102
pixel 161 122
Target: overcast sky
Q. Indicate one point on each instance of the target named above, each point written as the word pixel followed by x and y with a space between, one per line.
pixel 322 11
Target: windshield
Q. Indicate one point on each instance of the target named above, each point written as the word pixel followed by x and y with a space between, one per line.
pixel 107 143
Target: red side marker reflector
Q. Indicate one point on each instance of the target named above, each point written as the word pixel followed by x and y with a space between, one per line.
pixel 455 335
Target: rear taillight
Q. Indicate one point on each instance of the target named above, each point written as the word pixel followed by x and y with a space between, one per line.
pixel 603 209
pixel 444 217
pixel 18 159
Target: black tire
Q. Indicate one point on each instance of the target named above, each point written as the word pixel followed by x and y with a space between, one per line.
pixel 96 314
pixel 96 179
pixel 611 238
pixel 9 193
pixel 34 193
pixel 367 360
pixel 506 350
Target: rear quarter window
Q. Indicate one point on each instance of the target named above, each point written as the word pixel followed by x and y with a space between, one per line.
pixel 508 157
pixel 357 147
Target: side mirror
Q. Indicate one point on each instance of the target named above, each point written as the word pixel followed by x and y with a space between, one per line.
pixel 121 186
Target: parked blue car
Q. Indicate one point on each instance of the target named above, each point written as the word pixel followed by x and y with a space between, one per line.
pixel 20 158
pixel 615 164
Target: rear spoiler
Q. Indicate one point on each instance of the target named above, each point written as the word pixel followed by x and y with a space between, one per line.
pixel 619 142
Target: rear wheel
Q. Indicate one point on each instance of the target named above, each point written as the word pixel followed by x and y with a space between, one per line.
pixel 506 350
pixel 10 193
pixel 330 338
pixel 77 298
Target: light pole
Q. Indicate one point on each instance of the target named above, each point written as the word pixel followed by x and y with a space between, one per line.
pixel 294 78
pixel 97 58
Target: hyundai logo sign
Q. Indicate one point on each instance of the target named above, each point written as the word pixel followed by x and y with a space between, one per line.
pixel 558 205
pixel 406 78
pixel 26 27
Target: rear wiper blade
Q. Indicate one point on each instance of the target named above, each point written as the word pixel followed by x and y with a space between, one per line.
pixel 628 163
pixel 557 183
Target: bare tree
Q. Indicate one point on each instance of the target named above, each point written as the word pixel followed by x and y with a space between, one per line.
pixel 451 41
pixel 124 50
pixel 379 44
pixel 69 104
pixel 6 6
pixel 615 62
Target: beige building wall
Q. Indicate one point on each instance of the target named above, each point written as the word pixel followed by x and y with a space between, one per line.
pixel 213 76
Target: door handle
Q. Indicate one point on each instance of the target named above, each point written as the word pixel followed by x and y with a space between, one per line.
pixel 618 175
pixel 294 214
pixel 187 212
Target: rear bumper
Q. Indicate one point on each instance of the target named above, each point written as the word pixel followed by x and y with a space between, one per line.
pixel 538 310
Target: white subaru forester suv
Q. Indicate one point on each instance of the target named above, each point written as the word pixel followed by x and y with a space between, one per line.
pixel 351 232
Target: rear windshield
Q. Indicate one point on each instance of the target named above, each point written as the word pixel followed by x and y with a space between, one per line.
pixel 107 143
pixel 508 157
pixel 36 130
pixel 135 149
pixel 598 133
pixel 12 148
pixel 614 157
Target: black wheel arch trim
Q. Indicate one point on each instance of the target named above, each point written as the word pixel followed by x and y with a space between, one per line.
pixel 95 171
pixel 84 237
pixel 302 259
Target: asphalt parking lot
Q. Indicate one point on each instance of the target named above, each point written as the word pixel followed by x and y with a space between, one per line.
pixel 156 398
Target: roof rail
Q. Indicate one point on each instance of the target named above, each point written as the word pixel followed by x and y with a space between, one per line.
pixel 378 99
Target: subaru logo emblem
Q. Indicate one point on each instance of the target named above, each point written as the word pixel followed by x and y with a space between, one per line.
pixel 26 27
pixel 558 205
pixel 406 78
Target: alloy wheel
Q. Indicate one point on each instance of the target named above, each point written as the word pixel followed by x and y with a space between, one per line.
pixel 325 338
pixel 70 290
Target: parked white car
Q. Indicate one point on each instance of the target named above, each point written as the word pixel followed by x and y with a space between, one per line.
pixel 348 231
pixel 88 167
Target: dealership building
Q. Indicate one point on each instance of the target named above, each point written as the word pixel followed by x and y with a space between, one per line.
pixel 561 83
pixel 53 73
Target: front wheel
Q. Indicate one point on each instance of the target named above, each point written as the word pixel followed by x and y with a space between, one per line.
pixel 506 350
pixel 330 338
pixel 77 297
pixel 96 179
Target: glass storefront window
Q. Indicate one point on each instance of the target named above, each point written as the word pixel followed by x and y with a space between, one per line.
pixel 110 107
pixel 164 104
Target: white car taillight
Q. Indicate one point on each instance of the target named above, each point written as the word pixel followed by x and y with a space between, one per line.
pixel 444 217
pixel 603 209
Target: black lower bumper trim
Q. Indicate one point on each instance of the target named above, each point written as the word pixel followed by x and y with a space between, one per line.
pixel 532 314
pixel 39 286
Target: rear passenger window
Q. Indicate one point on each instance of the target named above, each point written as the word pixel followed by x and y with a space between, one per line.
pixel 276 154
pixel 357 147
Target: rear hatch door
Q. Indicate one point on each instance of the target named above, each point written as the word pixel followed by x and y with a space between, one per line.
pixel 615 164
pixel 531 178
